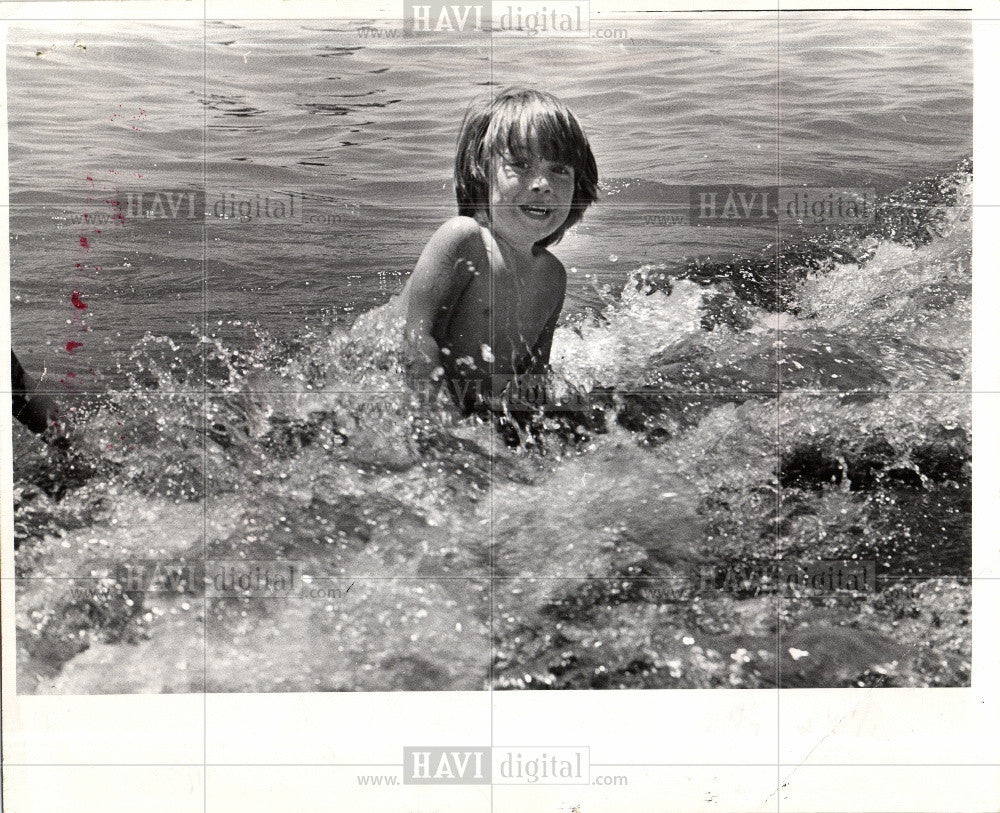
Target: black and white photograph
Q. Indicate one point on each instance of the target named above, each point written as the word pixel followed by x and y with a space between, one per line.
pixel 491 348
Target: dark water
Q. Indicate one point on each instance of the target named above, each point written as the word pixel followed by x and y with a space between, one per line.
pixel 749 405
pixel 366 131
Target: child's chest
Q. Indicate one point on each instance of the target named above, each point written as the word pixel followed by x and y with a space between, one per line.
pixel 515 304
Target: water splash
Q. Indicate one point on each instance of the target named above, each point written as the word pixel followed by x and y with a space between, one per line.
pixel 741 427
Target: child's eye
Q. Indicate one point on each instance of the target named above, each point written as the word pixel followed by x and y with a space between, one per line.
pixel 560 169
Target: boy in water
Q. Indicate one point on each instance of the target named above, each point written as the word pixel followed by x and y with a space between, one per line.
pixel 482 303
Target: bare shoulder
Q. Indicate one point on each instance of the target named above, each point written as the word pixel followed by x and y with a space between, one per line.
pixel 444 267
pixel 456 239
pixel 553 269
pixel 456 232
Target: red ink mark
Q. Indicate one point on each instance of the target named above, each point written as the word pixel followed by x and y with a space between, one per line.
pixel 71 346
pixel 79 304
pixel 78 265
pixel 116 208
pixel 71 375
pixel 84 242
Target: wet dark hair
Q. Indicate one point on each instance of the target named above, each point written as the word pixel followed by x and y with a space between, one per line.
pixel 511 123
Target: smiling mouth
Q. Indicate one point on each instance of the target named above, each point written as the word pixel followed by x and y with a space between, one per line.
pixel 536 212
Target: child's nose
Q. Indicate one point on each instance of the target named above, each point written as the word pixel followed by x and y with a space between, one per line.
pixel 541 183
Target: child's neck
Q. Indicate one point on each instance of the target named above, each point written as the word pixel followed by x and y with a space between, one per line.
pixel 523 255
pixel 520 253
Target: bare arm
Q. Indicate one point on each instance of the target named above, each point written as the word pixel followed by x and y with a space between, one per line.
pixel 543 347
pixel 441 273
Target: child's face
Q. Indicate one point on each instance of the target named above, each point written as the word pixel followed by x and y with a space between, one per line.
pixel 530 197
